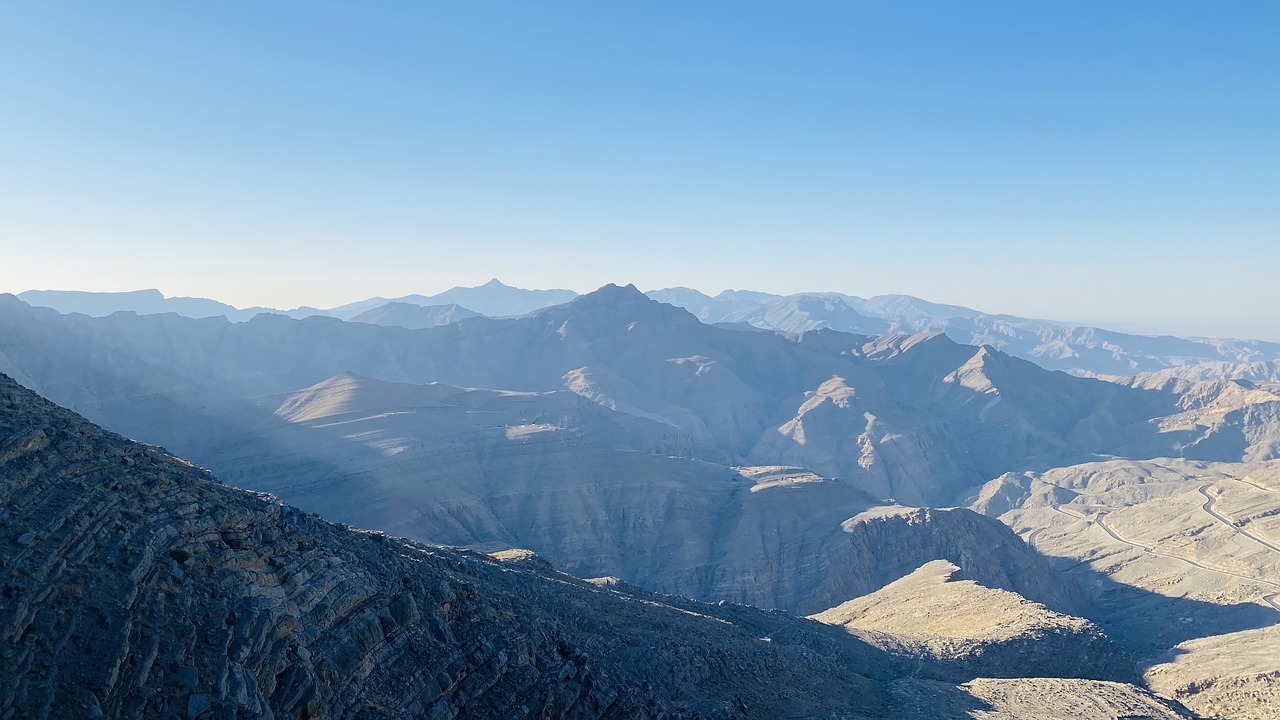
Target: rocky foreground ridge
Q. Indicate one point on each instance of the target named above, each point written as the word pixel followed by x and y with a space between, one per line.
pixel 134 585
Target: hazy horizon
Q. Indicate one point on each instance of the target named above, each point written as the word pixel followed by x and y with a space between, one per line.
pixel 1119 325
pixel 1117 165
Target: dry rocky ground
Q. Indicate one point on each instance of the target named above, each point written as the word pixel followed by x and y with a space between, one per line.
pixel 1185 559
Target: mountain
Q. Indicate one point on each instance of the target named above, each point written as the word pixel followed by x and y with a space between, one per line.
pixel 1081 350
pixel 917 418
pixel 597 492
pixel 1200 538
pixel 492 299
pixel 350 310
pixel 1257 371
pixel 618 436
pixel 142 302
pixel 713 309
pixel 800 313
pixel 408 315
pixel 604 493
pixel 950 621
pixel 495 299
pixel 1077 349
pixel 183 597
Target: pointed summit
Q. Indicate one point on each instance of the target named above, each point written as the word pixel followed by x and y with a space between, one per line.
pixel 616 296
pixel 613 304
pixel 613 292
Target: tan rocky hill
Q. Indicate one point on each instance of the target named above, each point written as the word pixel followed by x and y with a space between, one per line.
pixel 959 628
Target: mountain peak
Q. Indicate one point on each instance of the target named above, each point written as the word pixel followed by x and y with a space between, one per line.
pixel 612 293
pixel 625 302
pixel 495 283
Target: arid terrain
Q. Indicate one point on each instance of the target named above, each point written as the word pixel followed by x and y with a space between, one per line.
pixel 961 513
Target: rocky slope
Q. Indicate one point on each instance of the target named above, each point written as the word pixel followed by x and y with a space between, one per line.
pixel 1185 559
pixel 961 628
pixel 136 586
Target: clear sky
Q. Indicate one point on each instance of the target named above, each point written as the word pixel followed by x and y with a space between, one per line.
pixel 1113 162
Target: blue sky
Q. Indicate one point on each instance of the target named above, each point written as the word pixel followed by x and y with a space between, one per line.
pixel 1093 161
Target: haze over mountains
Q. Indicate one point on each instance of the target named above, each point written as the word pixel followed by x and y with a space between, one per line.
pixel 800 468
pixel 1054 345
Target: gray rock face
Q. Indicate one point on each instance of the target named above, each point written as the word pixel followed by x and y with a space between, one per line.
pixel 280 614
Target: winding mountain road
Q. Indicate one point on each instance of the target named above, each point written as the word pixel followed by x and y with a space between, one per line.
pixel 1208 507
pixel 1273 599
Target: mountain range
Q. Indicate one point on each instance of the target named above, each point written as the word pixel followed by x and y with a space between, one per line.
pixel 185 598
pixel 802 470
pixel 1082 350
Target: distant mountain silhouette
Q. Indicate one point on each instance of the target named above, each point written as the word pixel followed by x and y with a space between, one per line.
pixel 1053 345
pixel 408 315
